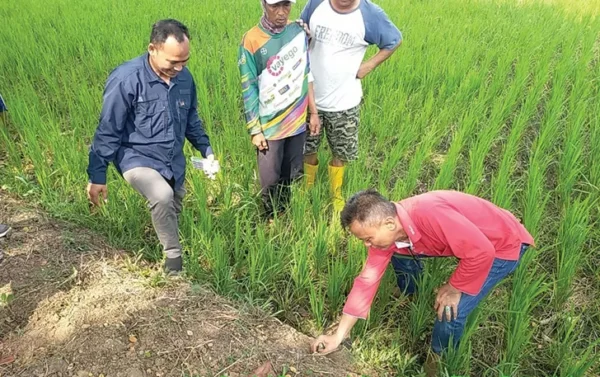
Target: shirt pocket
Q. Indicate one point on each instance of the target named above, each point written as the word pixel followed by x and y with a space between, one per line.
pixel 183 106
pixel 151 117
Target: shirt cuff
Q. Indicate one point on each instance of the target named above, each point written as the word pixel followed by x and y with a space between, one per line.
pixel 354 315
pixel 462 287
pixel 255 131
pixel 97 178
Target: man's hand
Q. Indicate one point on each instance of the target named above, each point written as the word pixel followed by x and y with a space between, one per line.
pixel 314 124
pixel 325 344
pixel 94 191
pixel 368 66
pixel 446 302
pixel 260 142
pixel 364 70
pixel 304 26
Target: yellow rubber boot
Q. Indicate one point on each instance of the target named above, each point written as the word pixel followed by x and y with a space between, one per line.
pixel 336 180
pixel 310 174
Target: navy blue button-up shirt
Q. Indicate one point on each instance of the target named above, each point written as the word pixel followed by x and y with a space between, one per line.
pixel 144 123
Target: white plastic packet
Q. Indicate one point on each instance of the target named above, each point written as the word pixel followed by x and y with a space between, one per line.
pixel 209 167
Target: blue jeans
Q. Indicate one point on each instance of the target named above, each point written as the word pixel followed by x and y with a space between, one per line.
pixel 408 271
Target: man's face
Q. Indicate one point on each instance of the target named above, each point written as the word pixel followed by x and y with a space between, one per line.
pixel 279 13
pixel 171 57
pixel 380 236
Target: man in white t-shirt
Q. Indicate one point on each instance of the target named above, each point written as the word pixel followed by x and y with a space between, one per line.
pixel 341 31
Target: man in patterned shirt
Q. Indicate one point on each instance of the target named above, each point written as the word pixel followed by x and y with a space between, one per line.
pixel 274 67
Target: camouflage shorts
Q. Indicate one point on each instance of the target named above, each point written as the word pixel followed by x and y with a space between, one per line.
pixel 341 130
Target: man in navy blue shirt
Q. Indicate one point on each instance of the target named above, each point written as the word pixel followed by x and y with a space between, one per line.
pixel 149 109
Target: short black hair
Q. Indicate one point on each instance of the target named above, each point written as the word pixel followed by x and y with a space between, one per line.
pixel 164 29
pixel 367 206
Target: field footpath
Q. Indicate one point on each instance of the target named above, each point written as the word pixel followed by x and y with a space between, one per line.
pixel 73 306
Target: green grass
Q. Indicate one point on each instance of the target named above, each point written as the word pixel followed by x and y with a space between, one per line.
pixel 499 98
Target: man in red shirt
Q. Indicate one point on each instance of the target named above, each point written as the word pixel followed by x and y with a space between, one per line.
pixel 487 240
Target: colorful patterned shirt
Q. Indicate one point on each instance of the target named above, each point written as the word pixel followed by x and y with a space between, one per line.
pixel 275 71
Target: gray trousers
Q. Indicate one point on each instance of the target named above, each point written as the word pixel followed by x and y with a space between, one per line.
pixel 278 167
pixel 165 205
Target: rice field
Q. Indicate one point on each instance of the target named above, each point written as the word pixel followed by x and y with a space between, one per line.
pixel 497 98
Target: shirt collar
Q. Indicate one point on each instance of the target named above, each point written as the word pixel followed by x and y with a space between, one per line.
pixel 151 76
pixel 409 227
pixel 407 223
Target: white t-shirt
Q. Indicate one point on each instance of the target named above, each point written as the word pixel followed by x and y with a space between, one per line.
pixel 338 46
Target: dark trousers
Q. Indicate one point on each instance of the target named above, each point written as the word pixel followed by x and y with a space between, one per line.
pixel 278 167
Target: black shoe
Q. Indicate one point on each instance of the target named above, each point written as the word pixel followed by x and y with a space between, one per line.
pixel 173 265
pixel 4 229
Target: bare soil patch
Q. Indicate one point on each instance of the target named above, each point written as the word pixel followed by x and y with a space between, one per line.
pixel 81 308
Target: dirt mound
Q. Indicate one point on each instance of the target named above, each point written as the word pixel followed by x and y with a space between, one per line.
pixel 73 306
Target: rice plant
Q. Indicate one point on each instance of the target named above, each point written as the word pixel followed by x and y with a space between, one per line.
pixel 498 98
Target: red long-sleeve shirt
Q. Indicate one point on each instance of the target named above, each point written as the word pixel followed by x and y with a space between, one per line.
pixel 443 224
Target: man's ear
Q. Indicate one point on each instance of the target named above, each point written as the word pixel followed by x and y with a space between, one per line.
pixel 390 223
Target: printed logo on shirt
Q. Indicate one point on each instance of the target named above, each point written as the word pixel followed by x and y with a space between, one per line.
pixel 263 51
pixel 242 60
pixel 270 90
pixel 328 35
pixel 284 89
pixel 297 77
pixel 291 94
pixel 297 64
pixel 287 76
pixel 276 63
pixel 280 103
pixel 270 100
